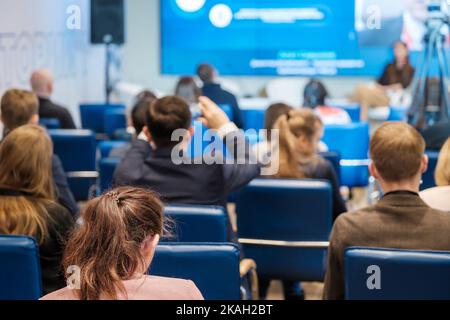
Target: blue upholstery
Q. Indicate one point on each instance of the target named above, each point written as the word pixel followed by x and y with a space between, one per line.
pixel 253 119
pixel 228 110
pixel 428 177
pixel 50 123
pixel 404 274
pixel 198 223
pixel 115 119
pixel 352 143
pixel 353 110
pixel 77 151
pixel 93 115
pixel 20 270
pixel 106 147
pixel 214 268
pixel 107 166
pixel 398 114
pixel 286 210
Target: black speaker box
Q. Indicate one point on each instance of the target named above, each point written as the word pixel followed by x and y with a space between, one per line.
pixel 107 22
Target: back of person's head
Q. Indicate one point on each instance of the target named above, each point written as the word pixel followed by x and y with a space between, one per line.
pixel 188 90
pixel 443 166
pixel 299 135
pixel 146 94
pixel 42 82
pixel 166 115
pixel 26 172
pixel 314 94
pixel 18 107
pixel 115 242
pixel 206 73
pixel 274 112
pixel 397 151
pixel 139 111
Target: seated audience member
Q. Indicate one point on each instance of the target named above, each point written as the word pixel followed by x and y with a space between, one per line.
pixel 300 135
pixel 114 248
pixel 136 121
pixel 151 163
pixel 211 89
pixel 42 85
pixel 396 77
pixel 18 108
pixel 439 197
pixel 188 90
pixel 27 199
pixel 436 135
pixel 401 219
pixel 314 96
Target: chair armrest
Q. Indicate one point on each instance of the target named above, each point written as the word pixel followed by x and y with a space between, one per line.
pixel 82 174
pixel 287 244
pixel 248 267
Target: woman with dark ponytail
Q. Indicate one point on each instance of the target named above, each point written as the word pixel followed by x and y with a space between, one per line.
pixel 114 247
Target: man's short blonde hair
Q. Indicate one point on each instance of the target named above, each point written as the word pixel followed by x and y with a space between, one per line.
pixel 18 107
pixel 442 174
pixel 397 150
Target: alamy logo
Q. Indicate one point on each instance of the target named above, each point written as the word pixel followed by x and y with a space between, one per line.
pixel 373 17
pixel 74 277
pixel 374 280
pixel 73 20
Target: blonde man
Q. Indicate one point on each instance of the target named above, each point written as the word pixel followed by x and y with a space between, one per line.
pixel 401 219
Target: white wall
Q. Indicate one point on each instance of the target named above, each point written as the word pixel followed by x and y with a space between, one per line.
pixel 33 34
pixel 142 56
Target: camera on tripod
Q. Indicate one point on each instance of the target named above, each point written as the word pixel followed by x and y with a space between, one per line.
pixel 431 101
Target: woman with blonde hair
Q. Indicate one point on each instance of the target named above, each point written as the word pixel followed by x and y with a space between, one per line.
pixel 438 197
pixel 114 247
pixel 27 199
pixel 300 136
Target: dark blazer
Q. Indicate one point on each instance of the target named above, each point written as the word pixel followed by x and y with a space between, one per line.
pixel 64 194
pixel 400 220
pixel 436 136
pixel 199 184
pixel 59 226
pixel 220 96
pixel 48 109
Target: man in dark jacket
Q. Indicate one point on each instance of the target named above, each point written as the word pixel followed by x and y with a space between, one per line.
pixel 42 85
pixel 216 93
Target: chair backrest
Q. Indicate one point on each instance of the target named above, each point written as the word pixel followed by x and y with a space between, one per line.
pixel 288 212
pixel 106 147
pixel 228 110
pixel 198 223
pixel 93 115
pixel 20 271
pixel 335 160
pixel 114 119
pixel 77 150
pixel 390 274
pixel 107 166
pixel 214 268
pixel 50 123
pixel 428 180
pixel 351 141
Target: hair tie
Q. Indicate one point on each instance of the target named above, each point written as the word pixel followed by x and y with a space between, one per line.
pixel 114 196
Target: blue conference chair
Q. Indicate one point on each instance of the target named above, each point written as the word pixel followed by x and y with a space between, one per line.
pixel 115 120
pixel 77 151
pixel 20 270
pixel 106 147
pixel 107 166
pixel 50 123
pixel 253 119
pixel 399 274
pixel 93 115
pixel 198 223
pixel 398 113
pixel 284 225
pixel 353 110
pixel 228 110
pixel 213 267
pixel 428 180
pixel 352 143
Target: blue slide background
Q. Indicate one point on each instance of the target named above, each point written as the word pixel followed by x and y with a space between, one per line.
pixel 188 39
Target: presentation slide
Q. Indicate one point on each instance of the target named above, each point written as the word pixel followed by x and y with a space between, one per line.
pixel 287 37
